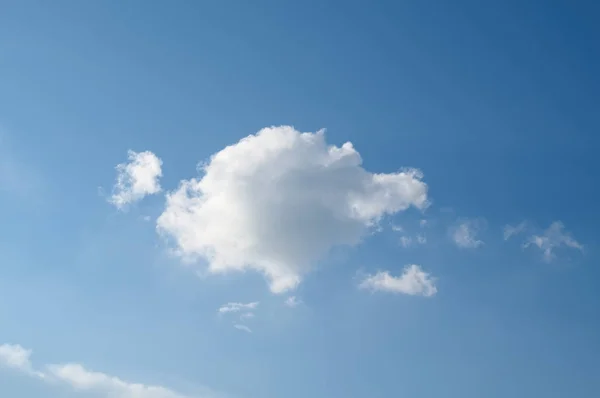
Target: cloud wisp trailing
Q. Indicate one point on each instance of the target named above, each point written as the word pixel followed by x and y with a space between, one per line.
pixel 413 281
pixel 78 378
pixel 554 237
pixel 277 201
pixel 243 328
pixel 136 179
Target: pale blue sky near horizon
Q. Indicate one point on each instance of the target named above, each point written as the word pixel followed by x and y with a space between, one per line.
pixel 496 102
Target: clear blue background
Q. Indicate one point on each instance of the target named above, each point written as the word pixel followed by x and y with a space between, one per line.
pixel 497 102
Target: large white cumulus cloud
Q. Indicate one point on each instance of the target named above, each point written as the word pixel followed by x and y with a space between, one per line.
pixel 278 200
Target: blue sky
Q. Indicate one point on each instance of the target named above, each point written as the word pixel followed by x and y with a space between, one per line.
pixel 102 287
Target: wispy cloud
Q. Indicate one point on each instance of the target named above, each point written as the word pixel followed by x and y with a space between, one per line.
pixel 136 179
pixel 407 241
pixel 79 378
pixel 551 239
pixel 465 234
pixel 243 328
pixel 413 281
pixel 510 231
pixel 292 301
pixel 237 307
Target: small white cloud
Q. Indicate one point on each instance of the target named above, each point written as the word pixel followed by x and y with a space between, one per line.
pixel 136 179
pixel 278 201
pixel 247 315
pixel 397 228
pixel 79 378
pixel 413 281
pixel 510 231
pixel 237 307
pixel 465 234
pixel 405 241
pixel 243 328
pixel 554 237
pixel 292 301
pixel 16 357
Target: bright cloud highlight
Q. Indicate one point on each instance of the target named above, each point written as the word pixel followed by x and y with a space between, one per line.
pixel 413 281
pixel 136 179
pixel 279 200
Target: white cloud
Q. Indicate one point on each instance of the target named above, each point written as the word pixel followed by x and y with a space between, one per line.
pixel 407 241
pixel 243 328
pixel 278 201
pixel 137 178
pixel 510 231
pixel 465 234
pixel 413 281
pixel 237 307
pixel 16 357
pixel 554 237
pixel 292 301
pixel 79 378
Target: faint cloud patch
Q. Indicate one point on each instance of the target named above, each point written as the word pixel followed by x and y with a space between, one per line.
pixel 510 231
pixel 292 301
pixel 464 235
pixel 554 237
pixel 243 328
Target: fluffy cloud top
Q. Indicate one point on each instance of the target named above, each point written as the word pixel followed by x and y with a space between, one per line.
pixel 278 201
pixel 552 238
pixel 465 234
pixel 413 281
pixel 80 379
pixel 137 178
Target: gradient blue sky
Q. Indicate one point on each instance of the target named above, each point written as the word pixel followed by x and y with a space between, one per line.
pixel 496 102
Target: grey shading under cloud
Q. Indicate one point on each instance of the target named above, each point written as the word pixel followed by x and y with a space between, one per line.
pixel 412 281
pixel 81 379
pixel 278 201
